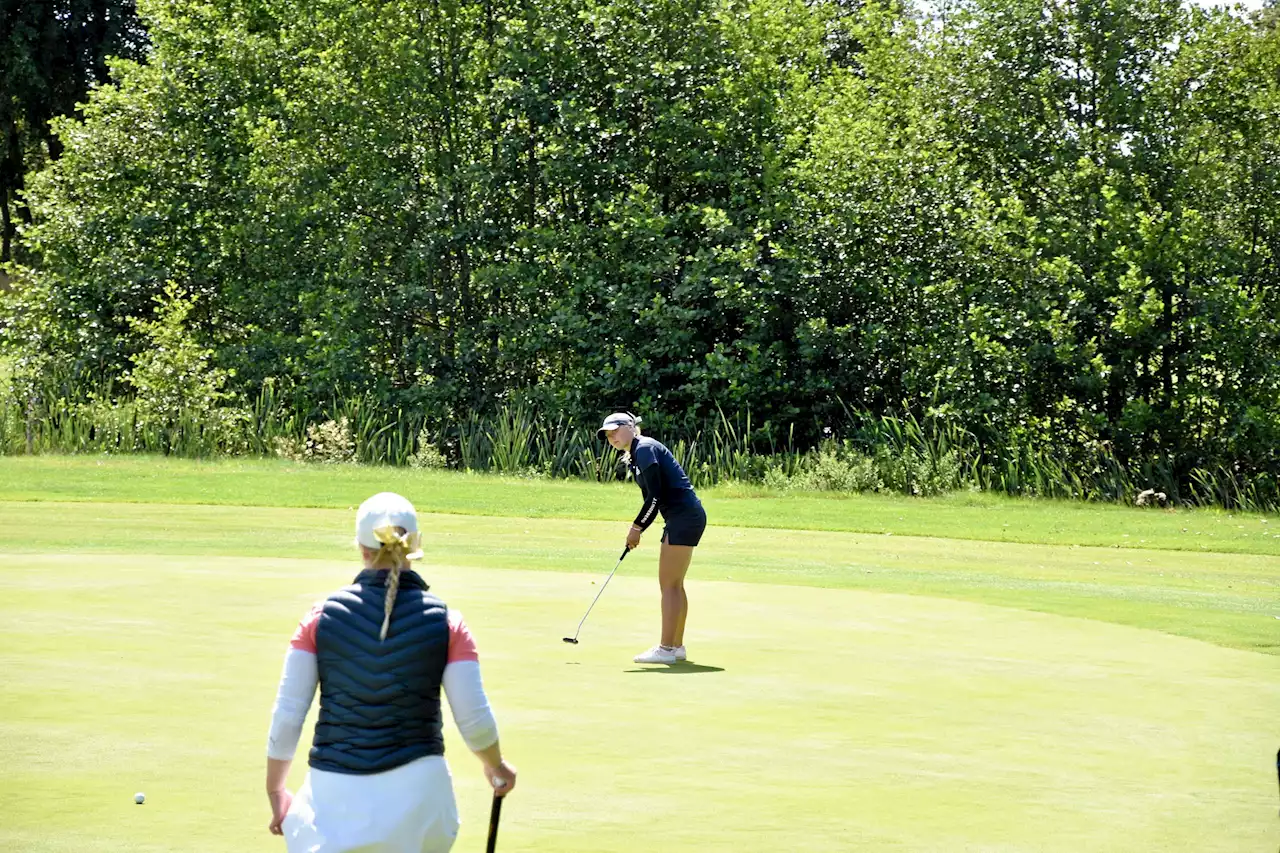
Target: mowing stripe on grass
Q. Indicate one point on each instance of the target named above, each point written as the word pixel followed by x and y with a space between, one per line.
pixel 1228 599
pixel 967 516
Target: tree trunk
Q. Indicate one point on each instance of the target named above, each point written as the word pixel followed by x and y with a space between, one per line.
pixel 11 183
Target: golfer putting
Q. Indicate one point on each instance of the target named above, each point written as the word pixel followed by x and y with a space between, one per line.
pixel 380 651
pixel 666 491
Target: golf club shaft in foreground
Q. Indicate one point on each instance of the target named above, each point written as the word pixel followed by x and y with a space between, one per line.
pixel 494 814
pixel 574 638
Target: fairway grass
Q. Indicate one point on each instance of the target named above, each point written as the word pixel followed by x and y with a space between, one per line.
pixel 963 515
pixel 1229 599
pixel 854 688
pixel 808 720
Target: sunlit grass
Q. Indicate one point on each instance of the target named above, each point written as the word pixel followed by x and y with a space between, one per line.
pixel 962 515
pixel 851 688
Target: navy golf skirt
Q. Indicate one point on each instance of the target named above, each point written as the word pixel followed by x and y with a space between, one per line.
pixel 685 523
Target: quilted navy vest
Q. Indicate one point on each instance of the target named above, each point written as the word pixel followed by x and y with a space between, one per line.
pixel 379 699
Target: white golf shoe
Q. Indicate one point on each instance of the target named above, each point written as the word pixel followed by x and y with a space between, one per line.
pixel 659 654
pixel 681 654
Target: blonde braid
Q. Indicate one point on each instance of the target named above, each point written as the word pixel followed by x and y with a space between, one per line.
pixel 393 587
pixel 393 554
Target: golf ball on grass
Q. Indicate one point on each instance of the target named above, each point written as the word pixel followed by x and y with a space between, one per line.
pixel 139 798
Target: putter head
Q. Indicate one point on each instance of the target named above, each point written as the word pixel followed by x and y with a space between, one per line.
pixel 571 640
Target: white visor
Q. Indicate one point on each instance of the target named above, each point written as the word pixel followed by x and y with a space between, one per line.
pixel 617 419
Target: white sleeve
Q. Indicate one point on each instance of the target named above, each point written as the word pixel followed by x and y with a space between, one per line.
pixel 471 712
pixel 298 684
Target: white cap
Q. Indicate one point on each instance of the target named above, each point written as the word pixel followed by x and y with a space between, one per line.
pixel 382 510
pixel 618 419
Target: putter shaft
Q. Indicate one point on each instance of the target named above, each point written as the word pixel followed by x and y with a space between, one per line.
pixel 494 813
pixel 574 639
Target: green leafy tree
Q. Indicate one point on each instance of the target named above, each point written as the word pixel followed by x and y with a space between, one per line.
pixel 1048 229
pixel 177 386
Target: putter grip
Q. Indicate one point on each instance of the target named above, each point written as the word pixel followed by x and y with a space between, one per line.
pixel 494 814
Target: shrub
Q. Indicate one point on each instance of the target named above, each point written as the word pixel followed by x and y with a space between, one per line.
pixel 427 455
pixel 330 442
pixel 180 403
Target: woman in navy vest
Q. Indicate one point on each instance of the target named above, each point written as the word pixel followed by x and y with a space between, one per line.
pixel 667 491
pixel 380 650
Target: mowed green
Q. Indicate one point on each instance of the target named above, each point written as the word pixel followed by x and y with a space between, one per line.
pixel 846 691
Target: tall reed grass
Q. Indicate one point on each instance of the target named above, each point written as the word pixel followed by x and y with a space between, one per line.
pixel 886 453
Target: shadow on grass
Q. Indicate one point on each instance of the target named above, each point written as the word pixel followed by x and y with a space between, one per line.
pixel 679 668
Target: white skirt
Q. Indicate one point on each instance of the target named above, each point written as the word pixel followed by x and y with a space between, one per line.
pixel 410 809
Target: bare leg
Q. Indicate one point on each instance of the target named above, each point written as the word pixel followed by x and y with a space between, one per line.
pixel 673 565
pixel 684 614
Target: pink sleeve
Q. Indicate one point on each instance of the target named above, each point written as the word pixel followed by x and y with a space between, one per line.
pixel 462 646
pixel 304 638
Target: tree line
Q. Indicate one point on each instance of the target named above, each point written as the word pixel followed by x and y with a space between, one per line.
pixel 1053 227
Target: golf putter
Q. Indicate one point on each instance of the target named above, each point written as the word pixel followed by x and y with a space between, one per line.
pixel 574 638
pixel 494 814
